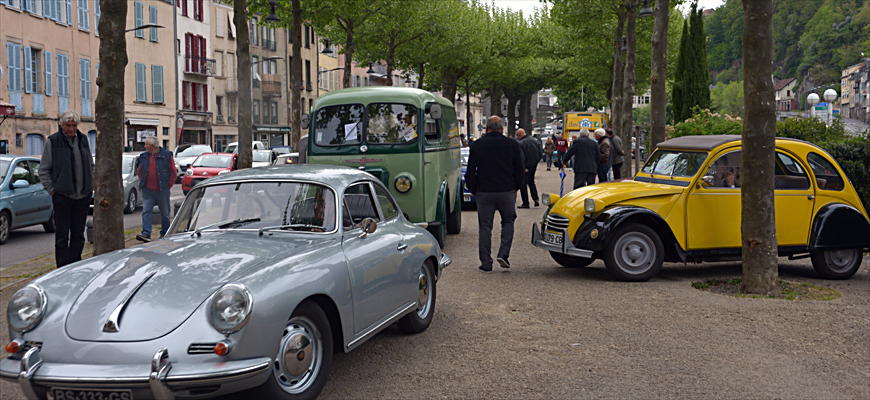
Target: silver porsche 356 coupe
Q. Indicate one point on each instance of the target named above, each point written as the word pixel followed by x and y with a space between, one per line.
pixel 263 275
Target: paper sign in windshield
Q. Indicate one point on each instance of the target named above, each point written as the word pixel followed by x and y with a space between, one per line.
pixel 409 134
pixel 350 132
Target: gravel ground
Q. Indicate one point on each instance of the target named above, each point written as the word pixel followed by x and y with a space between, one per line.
pixel 543 331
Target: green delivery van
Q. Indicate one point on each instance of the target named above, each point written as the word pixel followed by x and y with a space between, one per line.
pixel 408 138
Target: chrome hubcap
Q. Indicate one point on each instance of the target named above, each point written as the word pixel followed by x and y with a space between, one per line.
pixel 424 293
pixel 299 357
pixel 132 204
pixel 841 260
pixel 4 226
pixel 635 253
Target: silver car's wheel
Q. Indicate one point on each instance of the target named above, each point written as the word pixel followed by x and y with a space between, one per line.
pixel 4 227
pixel 131 202
pixel 635 253
pixel 300 357
pixel 419 321
pixel 836 264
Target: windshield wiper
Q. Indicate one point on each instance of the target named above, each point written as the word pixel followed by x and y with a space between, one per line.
pixel 292 226
pixel 225 224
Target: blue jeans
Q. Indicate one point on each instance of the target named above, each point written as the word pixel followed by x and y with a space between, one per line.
pixel 161 199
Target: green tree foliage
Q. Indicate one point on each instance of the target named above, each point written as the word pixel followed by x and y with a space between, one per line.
pixel 680 89
pixel 691 87
pixel 728 98
pixel 812 38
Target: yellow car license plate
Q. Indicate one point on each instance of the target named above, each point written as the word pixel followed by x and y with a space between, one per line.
pixel 553 238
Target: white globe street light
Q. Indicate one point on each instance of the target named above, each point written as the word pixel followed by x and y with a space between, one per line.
pixel 830 97
pixel 812 100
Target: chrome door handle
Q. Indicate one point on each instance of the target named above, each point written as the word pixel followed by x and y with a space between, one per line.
pixel 402 247
pixel 810 197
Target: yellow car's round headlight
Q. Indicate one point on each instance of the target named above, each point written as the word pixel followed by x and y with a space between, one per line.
pixel 403 184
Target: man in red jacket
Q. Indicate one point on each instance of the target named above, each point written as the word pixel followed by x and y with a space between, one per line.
pixel 561 147
pixel 157 174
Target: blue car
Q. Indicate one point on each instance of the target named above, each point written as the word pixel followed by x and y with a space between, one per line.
pixel 23 200
pixel 467 197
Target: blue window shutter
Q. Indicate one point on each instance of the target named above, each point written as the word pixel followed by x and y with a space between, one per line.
pixel 48 73
pixel 157 83
pixel 152 19
pixel 46 8
pixel 140 82
pixel 69 12
pixel 62 76
pixel 11 50
pixel 97 17
pixel 27 69
pixel 138 19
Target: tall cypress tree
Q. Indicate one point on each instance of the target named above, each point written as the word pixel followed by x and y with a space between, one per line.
pixel 678 93
pixel 701 79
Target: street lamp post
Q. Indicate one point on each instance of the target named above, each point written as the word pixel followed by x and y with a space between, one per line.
pixel 812 100
pixel 830 97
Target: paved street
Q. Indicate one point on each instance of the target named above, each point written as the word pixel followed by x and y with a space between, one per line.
pixel 31 242
pixel 542 331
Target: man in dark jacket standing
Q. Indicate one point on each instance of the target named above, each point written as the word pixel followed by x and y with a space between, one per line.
pixel 606 155
pixel 156 176
pixel 495 173
pixel 586 155
pixel 67 174
pixel 531 156
pixel 618 153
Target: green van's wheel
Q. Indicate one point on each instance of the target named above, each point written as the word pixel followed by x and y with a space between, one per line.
pixel 454 219
pixel 440 233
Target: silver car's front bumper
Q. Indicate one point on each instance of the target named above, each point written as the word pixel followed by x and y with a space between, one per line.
pixel 567 247
pixel 161 380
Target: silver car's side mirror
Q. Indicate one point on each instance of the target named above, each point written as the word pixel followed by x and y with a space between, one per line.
pixel 435 111
pixel 368 225
pixel 305 120
pixel 708 180
pixel 20 184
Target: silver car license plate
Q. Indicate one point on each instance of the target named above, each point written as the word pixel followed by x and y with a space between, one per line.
pixel 89 394
pixel 552 238
pixel 466 197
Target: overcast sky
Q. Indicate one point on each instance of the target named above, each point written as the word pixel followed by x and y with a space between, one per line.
pixel 528 6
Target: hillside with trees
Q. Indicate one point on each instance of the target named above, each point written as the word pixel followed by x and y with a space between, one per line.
pixel 814 40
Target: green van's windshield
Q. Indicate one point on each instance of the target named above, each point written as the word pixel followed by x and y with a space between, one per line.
pixel 391 123
pixel 338 125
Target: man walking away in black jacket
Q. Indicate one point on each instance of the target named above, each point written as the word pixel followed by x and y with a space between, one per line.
pixel 531 157
pixel 495 173
pixel 586 155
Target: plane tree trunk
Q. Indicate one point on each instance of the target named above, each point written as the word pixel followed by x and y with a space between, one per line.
pixel 243 61
pixel 658 94
pixel 628 81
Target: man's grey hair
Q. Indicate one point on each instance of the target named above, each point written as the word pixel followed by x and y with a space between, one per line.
pixel 584 132
pixel 493 124
pixel 152 140
pixel 69 115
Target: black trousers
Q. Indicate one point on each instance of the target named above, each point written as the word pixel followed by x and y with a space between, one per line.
pixel 70 217
pixel 529 185
pixel 617 171
pixel 583 178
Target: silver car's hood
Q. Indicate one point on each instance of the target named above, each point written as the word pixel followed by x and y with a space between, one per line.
pixel 185 160
pixel 173 276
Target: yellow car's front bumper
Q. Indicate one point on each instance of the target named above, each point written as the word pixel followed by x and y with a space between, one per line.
pixel 564 246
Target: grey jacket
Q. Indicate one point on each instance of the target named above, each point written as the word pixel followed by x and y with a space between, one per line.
pixel 618 153
pixel 586 155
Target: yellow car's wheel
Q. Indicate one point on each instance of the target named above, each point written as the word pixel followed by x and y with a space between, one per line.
pixel 837 264
pixel 634 254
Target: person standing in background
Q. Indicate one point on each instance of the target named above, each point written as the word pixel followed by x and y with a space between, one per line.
pixel 495 173
pixel 586 155
pixel 618 153
pixel 549 148
pixel 67 174
pixel 531 157
pixel 604 163
pixel 561 147
pixel 156 176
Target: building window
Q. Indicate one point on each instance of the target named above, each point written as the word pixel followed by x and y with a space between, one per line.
pixel 96 16
pixel 84 22
pixel 197 10
pixel 165 133
pixel 231 110
pixel 152 19
pixel 307 73
pixel 31 70
pixel 62 82
pixel 69 12
pixel 157 83
pixel 141 84
pixel 138 19
pixel 256 111
pixel 183 7
pixel 307 38
pixel 254 30
pixel 218 101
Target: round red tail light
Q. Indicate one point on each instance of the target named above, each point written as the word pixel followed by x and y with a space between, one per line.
pixel 12 347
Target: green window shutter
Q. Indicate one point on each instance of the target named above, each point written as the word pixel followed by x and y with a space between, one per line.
pixel 138 19
pixel 157 83
pixel 140 83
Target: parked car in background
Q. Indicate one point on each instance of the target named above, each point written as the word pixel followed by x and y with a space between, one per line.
pixel 207 166
pixel 262 158
pixel 130 180
pixel 282 149
pixel 287 159
pixel 23 200
pixel 263 275
pixel 467 197
pixel 185 154
pixel 684 206
pixel 234 147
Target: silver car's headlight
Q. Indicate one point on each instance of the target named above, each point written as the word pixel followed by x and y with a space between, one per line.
pixel 189 172
pixel 26 308
pixel 230 308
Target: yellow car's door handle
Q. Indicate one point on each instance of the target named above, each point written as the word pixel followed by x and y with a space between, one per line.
pixel 810 197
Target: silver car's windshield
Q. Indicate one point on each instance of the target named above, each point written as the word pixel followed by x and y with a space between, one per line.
pixel 302 207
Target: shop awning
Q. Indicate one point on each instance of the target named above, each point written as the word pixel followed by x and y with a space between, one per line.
pixel 143 121
pixel 275 129
pixel 194 128
pixel 7 109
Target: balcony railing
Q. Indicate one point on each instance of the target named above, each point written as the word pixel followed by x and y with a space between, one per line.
pixel 256 118
pixel 232 85
pixel 268 44
pixel 200 66
pixel 219 118
pixel 271 85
